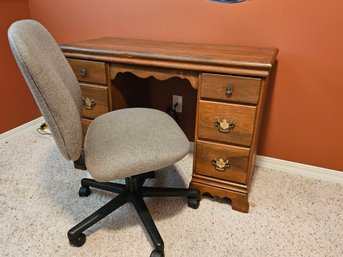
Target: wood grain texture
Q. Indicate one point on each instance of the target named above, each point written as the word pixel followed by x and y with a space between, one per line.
pixel 188 56
pixel 239 200
pixel 242 116
pixel 100 96
pixel 158 73
pixel 89 71
pixel 244 89
pixel 85 125
pixel 238 158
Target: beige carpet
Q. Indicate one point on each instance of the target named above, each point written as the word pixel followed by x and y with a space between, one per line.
pixel 289 216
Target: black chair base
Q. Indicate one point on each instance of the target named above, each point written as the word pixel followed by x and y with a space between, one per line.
pixel 133 191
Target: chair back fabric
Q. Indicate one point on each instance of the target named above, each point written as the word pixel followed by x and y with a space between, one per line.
pixel 51 81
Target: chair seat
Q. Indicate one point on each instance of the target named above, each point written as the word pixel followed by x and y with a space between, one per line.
pixel 132 141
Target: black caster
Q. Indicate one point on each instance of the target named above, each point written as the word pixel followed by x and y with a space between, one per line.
pixel 156 253
pixel 84 191
pixel 78 241
pixel 193 203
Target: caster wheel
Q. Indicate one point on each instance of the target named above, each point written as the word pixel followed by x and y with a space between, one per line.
pixel 193 203
pixel 78 241
pixel 156 253
pixel 84 191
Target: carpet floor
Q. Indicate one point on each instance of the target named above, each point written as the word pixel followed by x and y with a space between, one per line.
pixel 289 215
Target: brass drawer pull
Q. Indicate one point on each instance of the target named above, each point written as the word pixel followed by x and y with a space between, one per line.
pixel 83 72
pixel 228 91
pixel 88 103
pixel 220 164
pixel 224 125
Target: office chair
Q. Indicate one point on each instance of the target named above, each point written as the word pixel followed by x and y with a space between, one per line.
pixel 128 143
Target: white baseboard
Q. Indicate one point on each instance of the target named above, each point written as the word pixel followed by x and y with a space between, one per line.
pixel 300 169
pixel 261 161
pixel 31 125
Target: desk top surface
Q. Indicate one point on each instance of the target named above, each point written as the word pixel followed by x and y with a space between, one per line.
pixel 209 54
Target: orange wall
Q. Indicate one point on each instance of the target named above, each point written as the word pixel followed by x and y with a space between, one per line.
pixel 16 103
pixel 303 122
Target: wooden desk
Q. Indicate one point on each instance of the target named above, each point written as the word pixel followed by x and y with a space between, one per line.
pixel 231 83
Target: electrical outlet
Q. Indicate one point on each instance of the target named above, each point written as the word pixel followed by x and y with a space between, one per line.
pixel 177 100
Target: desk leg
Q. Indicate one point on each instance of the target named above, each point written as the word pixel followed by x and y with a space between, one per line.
pixel 239 201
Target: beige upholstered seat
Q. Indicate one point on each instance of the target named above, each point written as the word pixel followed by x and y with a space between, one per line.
pixel 132 141
pixel 128 143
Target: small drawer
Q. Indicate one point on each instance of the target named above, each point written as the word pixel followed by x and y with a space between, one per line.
pixel 229 123
pixel 89 71
pixel 85 125
pixel 220 161
pixel 230 88
pixel 95 100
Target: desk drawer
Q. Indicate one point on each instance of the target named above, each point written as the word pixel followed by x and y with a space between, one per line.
pixel 89 71
pixel 229 123
pixel 95 100
pixel 212 157
pixel 85 125
pixel 230 88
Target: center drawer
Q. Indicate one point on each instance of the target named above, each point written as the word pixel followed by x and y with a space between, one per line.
pixel 222 161
pixel 229 123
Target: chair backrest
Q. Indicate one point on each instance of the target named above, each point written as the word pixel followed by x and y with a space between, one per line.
pixel 52 83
